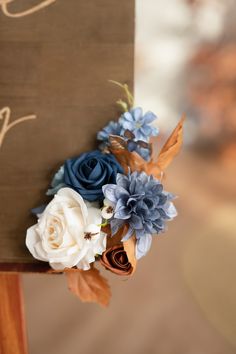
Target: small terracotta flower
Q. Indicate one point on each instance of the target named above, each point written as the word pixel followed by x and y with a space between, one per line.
pixel 115 259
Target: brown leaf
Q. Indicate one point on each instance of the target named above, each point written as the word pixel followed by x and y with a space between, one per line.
pixel 117 142
pixel 129 160
pixel 172 146
pixel 129 135
pixel 89 286
pixel 134 162
pixel 106 229
pixel 170 149
pixel 153 169
pixel 116 239
pixel 129 247
pixel 154 143
pixel 143 144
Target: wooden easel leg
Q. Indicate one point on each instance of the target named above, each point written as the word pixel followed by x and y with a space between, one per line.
pixel 12 320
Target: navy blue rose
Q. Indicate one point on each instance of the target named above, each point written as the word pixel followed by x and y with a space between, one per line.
pixel 89 172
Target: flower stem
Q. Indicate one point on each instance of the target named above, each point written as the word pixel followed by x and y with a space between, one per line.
pixel 128 94
pixel 104 224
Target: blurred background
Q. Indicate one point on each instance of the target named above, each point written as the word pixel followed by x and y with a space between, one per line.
pixel 182 299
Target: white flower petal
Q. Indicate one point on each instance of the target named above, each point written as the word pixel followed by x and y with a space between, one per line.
pixel 57 266
pixel 94 216
pixel 71 194
pixel 32 239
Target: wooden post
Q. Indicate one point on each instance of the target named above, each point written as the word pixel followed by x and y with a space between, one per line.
pixel 12 320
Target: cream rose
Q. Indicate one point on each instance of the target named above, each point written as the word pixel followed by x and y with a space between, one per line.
pixel 68 232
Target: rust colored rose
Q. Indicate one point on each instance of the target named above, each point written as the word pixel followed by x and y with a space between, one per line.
pixel 115 259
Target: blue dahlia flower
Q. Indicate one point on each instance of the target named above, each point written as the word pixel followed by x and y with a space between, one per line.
pixel 138 124
pixel 139 201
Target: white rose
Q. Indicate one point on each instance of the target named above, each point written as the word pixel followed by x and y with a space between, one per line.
pixel 68 232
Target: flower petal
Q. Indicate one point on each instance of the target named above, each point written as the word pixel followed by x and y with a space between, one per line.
pixel 94 216
pixel 143 245
pixel 128 234
pixel 149 117
pixel 127 125
pixel 38 210
pixel 123 213
pixel 171 211
pixel 121 192
pixel 136 222
pixel 137 113
pixel 109 192
pixel 32 239
pixel 128 116
pixel 57 182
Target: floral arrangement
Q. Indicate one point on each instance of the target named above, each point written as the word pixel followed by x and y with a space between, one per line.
pixel 107 204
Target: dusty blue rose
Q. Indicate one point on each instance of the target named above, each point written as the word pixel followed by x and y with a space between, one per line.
pixel 88 173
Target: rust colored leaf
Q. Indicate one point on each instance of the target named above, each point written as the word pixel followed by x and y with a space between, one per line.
pixel 89 286
pixel 172 146
pixel 156 166
pixel 106 229
pixel 129 247
pixel 117 142
pixel 116 239
pixel 154 143
pixel 129 160
pixel 153 169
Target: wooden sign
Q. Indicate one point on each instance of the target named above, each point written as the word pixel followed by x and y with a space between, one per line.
pixel 55 62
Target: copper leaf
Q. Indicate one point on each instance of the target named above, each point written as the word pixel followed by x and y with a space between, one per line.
pixel 89 286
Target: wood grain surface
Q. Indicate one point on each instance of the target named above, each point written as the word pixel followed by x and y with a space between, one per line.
pixel 55 64
pixel 12 321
